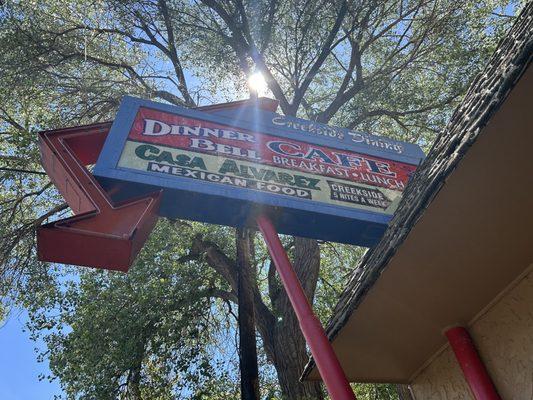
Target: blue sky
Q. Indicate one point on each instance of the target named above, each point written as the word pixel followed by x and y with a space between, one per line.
pixel 19 369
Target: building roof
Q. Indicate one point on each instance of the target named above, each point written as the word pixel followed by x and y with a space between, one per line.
pixel 483 99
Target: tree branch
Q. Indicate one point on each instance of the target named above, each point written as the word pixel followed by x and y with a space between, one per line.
pixel 395 113
pixel 324 52
pixel 173 54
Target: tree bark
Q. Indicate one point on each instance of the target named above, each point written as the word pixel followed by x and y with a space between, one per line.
pixel 289 358
pixel 403 392
pixel 247 342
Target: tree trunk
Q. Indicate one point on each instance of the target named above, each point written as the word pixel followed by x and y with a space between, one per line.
pixel 247 343
pixel 134 375
pixel 403 392
pixel 279 328
pixel 290 356
pixel 134 380
pixel 288 350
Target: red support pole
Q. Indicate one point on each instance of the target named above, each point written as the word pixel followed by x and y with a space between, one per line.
pixel 326 360
pixel 474 370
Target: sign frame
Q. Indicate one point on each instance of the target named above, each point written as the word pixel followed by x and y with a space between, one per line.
pixel 239 205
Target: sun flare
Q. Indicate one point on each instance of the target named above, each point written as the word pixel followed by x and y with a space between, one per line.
pixel 257 83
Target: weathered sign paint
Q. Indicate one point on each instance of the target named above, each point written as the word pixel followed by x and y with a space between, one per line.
pixel 219 167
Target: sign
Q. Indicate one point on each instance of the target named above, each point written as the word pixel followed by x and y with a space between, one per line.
pixel 225 165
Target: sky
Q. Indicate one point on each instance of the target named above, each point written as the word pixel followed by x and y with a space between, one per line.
pixel 19 369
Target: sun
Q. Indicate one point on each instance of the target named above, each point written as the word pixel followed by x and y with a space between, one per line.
pixel 257 83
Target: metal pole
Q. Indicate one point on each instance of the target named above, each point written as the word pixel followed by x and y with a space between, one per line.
pixel 474 370
pixel 326 360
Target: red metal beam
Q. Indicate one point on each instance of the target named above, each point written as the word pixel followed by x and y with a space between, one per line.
pixel 325 358
pixel 474 370
pixel 101 234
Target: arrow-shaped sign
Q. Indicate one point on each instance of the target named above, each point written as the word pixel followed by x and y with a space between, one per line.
pixel 101 234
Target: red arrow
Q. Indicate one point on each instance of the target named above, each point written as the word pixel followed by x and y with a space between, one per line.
pixel 101 234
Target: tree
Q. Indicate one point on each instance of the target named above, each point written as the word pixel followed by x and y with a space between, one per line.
pixel 390 67
pixel 134 336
